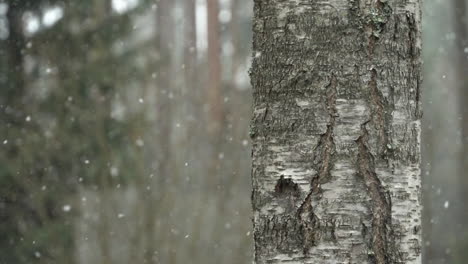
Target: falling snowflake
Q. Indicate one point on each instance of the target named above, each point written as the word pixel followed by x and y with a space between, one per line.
pixel 66 208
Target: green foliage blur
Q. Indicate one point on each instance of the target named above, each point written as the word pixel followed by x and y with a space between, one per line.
pixel 57 125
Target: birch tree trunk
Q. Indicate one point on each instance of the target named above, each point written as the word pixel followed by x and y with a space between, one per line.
pixel 336 131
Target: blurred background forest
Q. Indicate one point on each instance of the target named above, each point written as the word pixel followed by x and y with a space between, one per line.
pixel 124 131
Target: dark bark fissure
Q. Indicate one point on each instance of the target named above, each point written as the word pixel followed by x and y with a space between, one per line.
pixel 309 223
pixel 325 149
pixel 381 205
pixel 380 120
pixel 413 53
pixel 326 145
pixel 380 241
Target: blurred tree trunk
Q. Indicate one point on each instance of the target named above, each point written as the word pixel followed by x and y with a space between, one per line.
pixel 190 95
pixel 103 10
pixel 336 131
pixel 461 58
pixel 157 203
pixel 15 47
pixel 193 100
pixel 214 70
pixel 236 37
pixel 16 215
pixel 215 118
pixel 190 42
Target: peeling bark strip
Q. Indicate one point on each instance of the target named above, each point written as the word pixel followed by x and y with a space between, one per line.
pixel 336 131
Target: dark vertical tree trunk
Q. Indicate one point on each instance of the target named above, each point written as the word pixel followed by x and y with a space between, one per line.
pixel 236 36
pixel 16 215
pixel 214 70
pixel 15 44
pixel 155 203
pixel 214 97
pixel 336 131
pixel 190 92
pixel 190 41
pixel 461 59
pixel 193 100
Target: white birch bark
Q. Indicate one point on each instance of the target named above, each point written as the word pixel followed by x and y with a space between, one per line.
pixel 336 131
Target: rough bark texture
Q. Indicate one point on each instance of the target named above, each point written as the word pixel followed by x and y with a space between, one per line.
pixel 336 131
